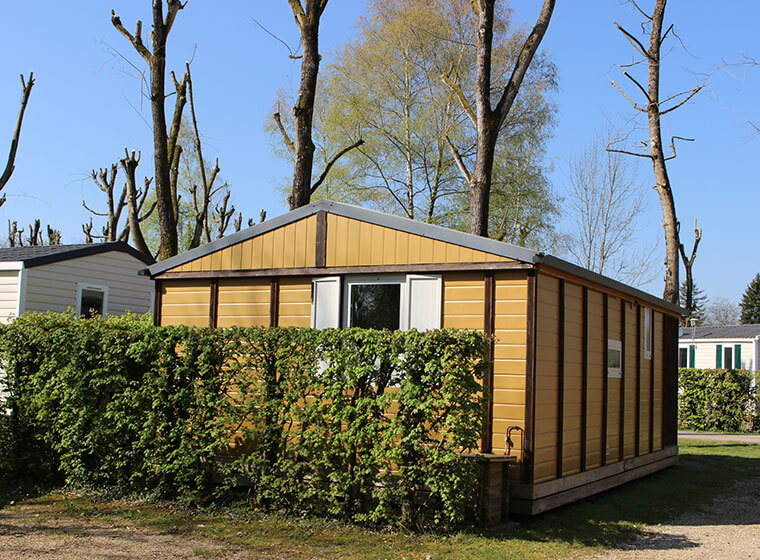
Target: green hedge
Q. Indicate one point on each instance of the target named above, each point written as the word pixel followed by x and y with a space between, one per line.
pixel 138 408
pixel 716 400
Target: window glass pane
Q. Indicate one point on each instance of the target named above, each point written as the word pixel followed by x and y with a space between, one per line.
pixel 613 358
pixel 375 306
pixel 92 302
pixel 727 358
pixel 682 357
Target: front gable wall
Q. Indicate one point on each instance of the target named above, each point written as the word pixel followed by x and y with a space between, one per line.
pixel 355 243
pixel 346 242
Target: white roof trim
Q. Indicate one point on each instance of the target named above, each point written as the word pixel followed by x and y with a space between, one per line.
pixel 11 265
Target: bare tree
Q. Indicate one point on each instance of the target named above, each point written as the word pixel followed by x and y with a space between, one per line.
pixel 688 265
pixel 307 19
pixel 489 119
pixel 129 163
pixel 605 204
pixel 35 238
pixel 655 108
pixel 26 90
pixel 721 311
pixel 166 156
pixel 222 216
pixel 105 179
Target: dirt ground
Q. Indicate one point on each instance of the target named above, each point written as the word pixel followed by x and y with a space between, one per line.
pixel 729 528
pixel 34 532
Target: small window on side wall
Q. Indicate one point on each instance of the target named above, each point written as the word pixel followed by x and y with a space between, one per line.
pixel 647 334
pixel 614 358
pixel 92 300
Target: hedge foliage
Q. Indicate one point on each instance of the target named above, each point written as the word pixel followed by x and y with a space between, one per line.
pixel 716 400
pixel 361 424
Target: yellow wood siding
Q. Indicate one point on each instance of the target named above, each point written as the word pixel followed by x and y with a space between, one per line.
pixel 510 323
pixel 290 246
pixel 295 302
pixel 547 380
pixel 186 302
pixel 614 331
pixel 657 357
pixel 463 301
pixel 243 302
pixel 596 370
pixel 571 449
pixel 629 377
pixel 354 243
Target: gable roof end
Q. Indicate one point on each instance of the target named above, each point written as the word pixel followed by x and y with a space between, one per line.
pixel 46 254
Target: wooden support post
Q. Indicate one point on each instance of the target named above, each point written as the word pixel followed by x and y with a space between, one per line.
pixel 623 375
pixel 530 381
pixel 486 441
pixel 637 425
pixel 157 303
pixel 274 302
pixel 213 308
pixel 605 379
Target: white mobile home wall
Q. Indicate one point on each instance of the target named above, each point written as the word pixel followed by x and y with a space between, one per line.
pixel 53 287
pixel 704 356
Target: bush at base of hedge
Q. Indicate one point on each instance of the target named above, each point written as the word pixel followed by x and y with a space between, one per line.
pixel 302 413
pixel 716 400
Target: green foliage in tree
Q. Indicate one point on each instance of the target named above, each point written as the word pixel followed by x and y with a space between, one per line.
pixel 698 305
pixel 386 86
pixel 302 414
pixel 750 303
pixel 715 400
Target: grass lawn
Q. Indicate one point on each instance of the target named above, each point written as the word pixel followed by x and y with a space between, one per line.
pixel 705 469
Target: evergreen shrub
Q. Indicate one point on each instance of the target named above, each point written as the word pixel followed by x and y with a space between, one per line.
pixel 716 400
pixel 360 424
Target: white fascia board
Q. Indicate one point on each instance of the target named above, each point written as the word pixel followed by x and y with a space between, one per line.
pixel 11 265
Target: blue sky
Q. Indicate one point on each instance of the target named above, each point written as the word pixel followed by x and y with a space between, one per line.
pixel 86 106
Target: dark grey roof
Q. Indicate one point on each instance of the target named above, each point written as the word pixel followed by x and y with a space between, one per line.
pixel 431 231
pixel 724 332
pixel 46 254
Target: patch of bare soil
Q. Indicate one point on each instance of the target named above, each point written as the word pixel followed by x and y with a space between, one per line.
pixel 35 532
pixel 729 528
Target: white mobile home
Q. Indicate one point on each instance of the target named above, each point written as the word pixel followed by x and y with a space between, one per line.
pixel 98 278
pixel 725 347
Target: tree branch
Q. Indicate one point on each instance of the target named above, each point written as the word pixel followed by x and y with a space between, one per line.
pixel 458 159
pixel 457 89
pixel 631 101
pixel 135 39
pixel 694 92
pixel 673 145
pixel 330 163
pixel 288 142
pixel 26 90
pixel 634 41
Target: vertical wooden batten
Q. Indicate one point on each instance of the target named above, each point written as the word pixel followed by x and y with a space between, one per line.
pixel 213 307
pixel 584 381
pixel 605 379
pixel 320 254
pixel 637 420
pixel 530 380
pixel 669 381
pixel 623 373
pixel 561 379
pixel 651 386
pixel 274 302
pixel 486 443
pixel 158 302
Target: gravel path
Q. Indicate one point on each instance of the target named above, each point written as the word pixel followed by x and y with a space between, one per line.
pixel 34 532
pixel 729 528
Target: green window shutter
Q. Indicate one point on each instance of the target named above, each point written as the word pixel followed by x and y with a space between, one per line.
pixel 737 356
pixel 692 356
pixel 719 356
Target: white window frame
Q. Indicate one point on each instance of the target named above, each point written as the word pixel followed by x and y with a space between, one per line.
pixel 648 320
pixel 616 346
pixel 403 320
pixel 95 287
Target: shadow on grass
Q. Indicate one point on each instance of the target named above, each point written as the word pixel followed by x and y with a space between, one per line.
pixel 705 470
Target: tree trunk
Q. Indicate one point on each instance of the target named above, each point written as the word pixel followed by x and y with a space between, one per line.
pixel 303 112
pixel 669 221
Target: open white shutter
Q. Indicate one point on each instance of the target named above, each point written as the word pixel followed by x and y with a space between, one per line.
pixel 325 303
pixel 424 302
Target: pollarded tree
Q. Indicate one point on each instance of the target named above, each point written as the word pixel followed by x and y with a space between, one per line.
pixel 750 303
pixel 655 107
